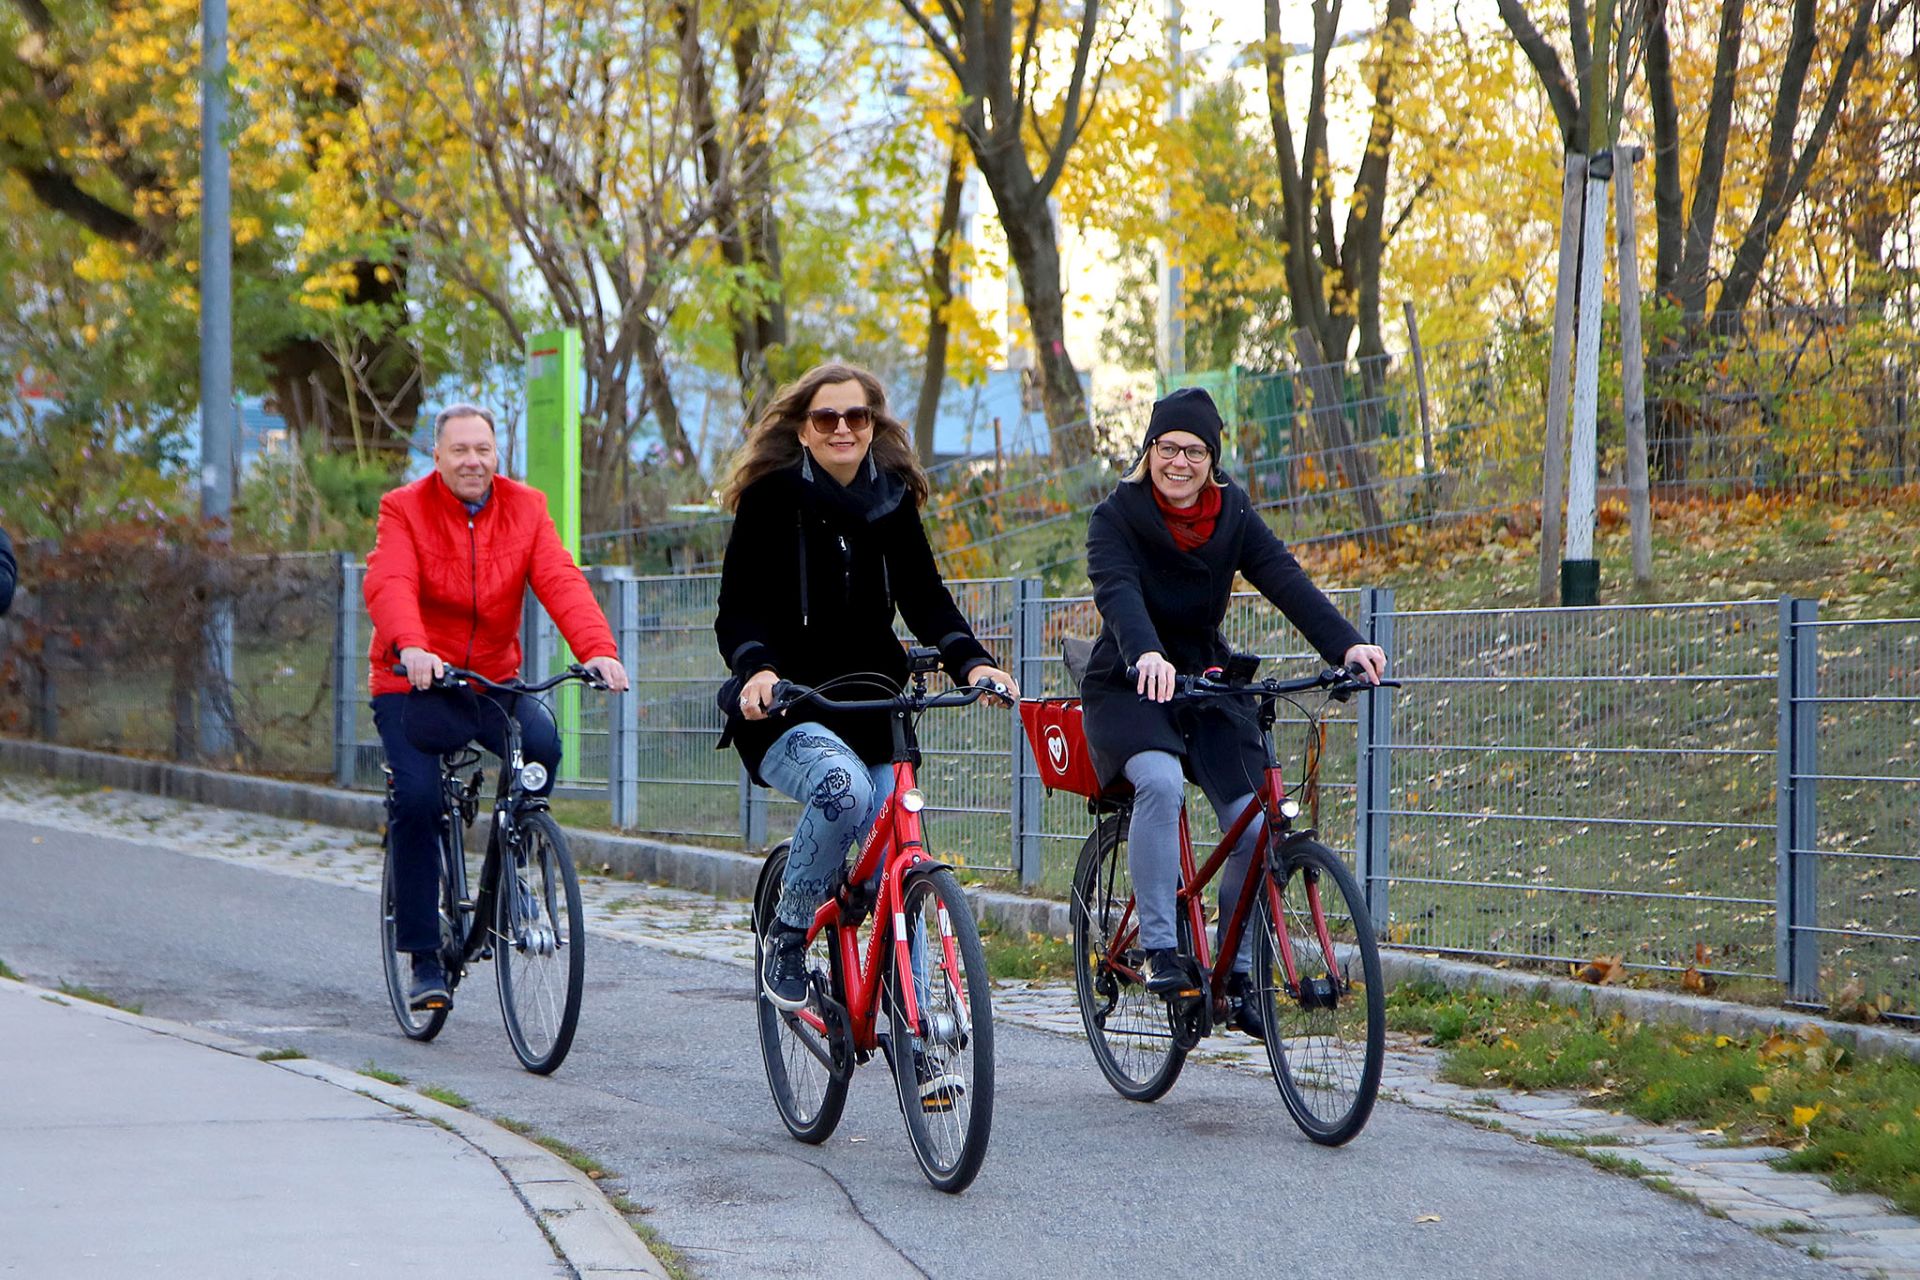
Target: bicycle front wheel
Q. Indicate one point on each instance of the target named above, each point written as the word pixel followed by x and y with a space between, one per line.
pixel 945 1073
pixel 540 944
pixel 415 1023
pixel 1131 1029
pixel 796 1047
pixel 1327 1028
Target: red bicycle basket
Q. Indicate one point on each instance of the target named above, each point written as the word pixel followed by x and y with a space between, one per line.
pixel 1060 745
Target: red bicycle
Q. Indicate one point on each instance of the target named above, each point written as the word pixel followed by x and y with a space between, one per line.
pixel 922 963
pixel 1316 965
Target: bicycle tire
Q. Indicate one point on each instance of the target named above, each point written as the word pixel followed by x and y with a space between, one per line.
pixel 1130 1030
pixel 540 952
pixel 1325 1041
pixel 807 1093
pixel 415 1024
pixel 944 1076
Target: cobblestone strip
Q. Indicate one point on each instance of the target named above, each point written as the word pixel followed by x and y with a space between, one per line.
pixel 1862 1233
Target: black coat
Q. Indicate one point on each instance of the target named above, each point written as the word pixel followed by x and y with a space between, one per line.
pixel 813 574
pixel 9 572
pixel 1154 597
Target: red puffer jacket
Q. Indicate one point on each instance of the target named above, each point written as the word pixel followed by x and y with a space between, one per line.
pixel 453 584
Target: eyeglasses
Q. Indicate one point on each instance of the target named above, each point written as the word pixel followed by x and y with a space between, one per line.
pixel 1196 453
pixel 827 421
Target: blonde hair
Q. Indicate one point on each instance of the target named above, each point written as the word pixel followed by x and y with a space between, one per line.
pixel 1138 472
pixel 773 443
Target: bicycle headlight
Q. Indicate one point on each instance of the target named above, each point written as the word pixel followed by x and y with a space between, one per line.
pixel 1289 808
pixel 912 801
pixel 533 776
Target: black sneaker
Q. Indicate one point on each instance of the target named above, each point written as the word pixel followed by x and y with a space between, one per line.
pixel 1244 1007
pixel 783 975
pixel 940 1088
pixel 1165 973
pixel 429 991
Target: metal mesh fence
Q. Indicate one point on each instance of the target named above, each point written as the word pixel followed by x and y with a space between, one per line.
pixel 1573 782
pixel 1865 848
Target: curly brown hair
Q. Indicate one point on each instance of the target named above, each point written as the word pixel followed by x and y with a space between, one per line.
pixel 773 443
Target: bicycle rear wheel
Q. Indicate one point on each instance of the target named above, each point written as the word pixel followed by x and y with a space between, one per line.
pixel 540 944
pixel 1326 1034
pixel 794 1045
pixel 398 965
pixel 1131 1030
pixel 945 1074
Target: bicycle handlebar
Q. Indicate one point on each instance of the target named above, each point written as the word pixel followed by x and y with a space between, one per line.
pixel 1340 683
pixel 453 677
pixel 787 694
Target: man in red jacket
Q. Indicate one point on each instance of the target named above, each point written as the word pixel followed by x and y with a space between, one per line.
pixel 453 556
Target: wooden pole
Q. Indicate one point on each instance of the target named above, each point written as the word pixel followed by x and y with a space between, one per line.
pixel 1632 373
pixel 998 477
pixel 1426 411
pixel 1553 461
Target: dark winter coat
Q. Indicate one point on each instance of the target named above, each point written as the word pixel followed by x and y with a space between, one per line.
pixel 813 574
pixel 9 572
pixel 1154 597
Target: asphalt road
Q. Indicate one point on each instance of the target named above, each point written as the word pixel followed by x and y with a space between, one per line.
pixel 665 1086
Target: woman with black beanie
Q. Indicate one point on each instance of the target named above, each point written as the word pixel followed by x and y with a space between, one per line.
pixel 1162 551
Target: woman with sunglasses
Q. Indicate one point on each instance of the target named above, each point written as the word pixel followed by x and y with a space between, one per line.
pixel 826 545
pixel 1162 552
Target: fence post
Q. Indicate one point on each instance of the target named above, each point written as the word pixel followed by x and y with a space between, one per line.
pixel 1795 908
pixel 1029 615
pixel 1373 769
pixel 753 813
pixel 623 755
pixel 46 705
pixel 346 643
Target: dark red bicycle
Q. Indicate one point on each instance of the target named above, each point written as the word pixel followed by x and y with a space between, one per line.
pixel 1316 965
pixel 922 964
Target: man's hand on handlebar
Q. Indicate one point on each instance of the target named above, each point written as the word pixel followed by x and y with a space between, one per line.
pixel 1367 662
pixel 1004 686
pixel 422 668
pixel 610 673
pixel 1156 677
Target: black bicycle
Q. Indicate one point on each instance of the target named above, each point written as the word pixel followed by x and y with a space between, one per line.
pixel 527 915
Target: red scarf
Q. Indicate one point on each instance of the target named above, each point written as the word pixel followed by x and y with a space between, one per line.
pixel 1192 525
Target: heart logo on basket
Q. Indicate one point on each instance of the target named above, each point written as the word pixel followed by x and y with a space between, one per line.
pixel 1056 748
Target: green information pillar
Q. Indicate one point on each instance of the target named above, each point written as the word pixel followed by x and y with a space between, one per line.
pixel 553 467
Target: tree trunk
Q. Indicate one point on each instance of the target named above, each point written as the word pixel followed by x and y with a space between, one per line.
pixel 1035 250
pixel 1330 423
pixel 939 300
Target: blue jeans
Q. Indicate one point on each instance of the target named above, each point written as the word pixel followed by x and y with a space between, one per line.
pixel 417 729
pixel 840 795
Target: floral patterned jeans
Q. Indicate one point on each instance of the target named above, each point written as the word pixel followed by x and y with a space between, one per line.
pixel 840 795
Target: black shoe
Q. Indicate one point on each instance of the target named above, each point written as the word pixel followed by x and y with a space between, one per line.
pixel 1165 973
pixel 1244 1007
pixel 783 975
pixel 940 1088
pixel 429 991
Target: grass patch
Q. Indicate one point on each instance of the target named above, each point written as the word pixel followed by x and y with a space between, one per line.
pixel 92 996
pixel 565 1150
pixel 1573 1142
pixel 444 1095
pixel 7 972
pixel 669 1258
pixel 279 1055
pixel 1855 1121
pixel 382 1074
pixel 1026 955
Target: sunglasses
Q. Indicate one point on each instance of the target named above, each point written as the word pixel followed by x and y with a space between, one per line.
pixel 1196 453
pixel 826 421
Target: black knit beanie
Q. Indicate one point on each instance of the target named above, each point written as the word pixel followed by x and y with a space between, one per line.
pixel 1188 409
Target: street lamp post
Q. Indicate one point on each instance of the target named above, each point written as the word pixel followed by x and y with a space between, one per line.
pixel 216 364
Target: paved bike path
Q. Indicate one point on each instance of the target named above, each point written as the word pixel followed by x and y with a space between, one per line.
pixel 137 1147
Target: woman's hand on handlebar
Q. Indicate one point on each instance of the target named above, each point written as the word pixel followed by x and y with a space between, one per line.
pixel 1367 662
pixel 1156 677
pixel 1003 685
pixel 610 673
pixel 422 668
pixel 758 694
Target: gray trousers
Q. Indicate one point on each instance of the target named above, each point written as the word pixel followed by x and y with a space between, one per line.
pixel 1153 852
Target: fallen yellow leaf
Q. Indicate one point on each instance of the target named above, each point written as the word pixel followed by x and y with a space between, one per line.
pixel 1803 1116
pixel 1721 1042
pixel 1760 1092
